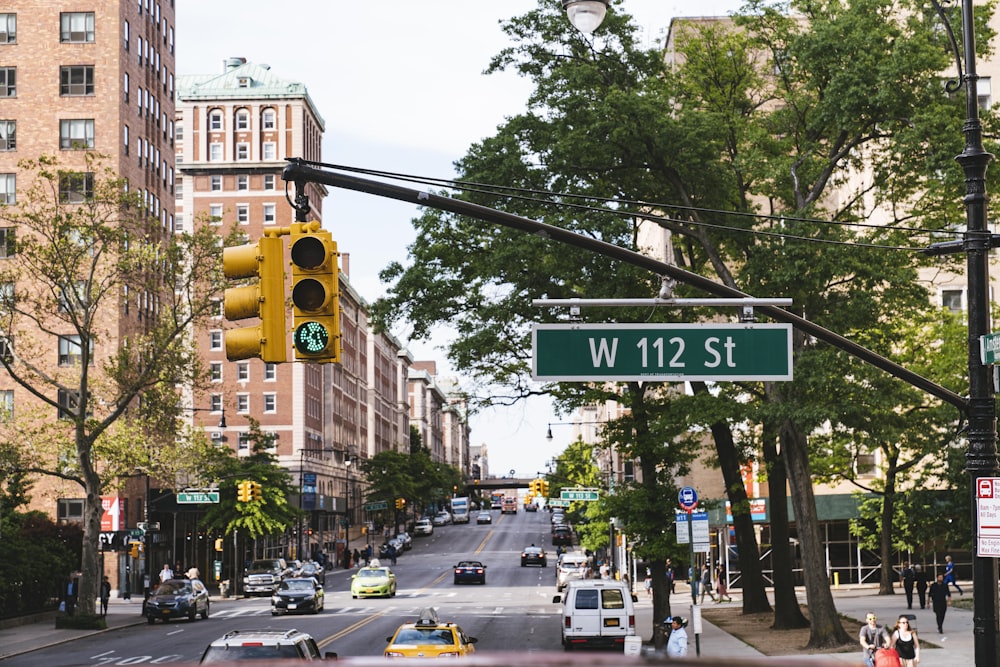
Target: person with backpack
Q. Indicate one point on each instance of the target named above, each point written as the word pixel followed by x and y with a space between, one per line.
pixel 872 637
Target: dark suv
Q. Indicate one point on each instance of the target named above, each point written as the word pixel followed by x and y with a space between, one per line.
pixel 264 575
pixel 240 645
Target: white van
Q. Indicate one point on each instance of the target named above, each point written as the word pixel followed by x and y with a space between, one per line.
pixel 596 612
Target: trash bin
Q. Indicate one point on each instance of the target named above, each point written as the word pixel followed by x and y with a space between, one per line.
pixel 224 588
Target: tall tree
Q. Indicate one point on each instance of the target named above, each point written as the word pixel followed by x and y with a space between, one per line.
pixel 94 275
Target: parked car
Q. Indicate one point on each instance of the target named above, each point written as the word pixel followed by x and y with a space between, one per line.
pixel 312 569
pixel 484 517
pixel 405 539
pixel 442 518
pixel 470 571
pixel 297 596
pixel 238 645
pixel 533 556
pixel 177 598
pixel 423 527
pixel 570 568
pixel 428 637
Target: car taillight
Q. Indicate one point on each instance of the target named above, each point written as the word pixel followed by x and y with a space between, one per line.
pixel 458 571
pixel 252 644
pixel 631 620
pixel 567 621
pixel 479 570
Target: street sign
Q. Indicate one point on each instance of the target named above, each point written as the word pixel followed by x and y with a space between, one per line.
pixel 557 502
pixel 196 497
pixel 377 505
pixel 988 517
pixel 661 352
pixel 989 348
pixel 147 525
pixel 578 494
pixel 688 498
pixel 699 528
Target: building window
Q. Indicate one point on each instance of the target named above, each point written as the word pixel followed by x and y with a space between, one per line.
pixel 865 465
pixel 8 241
pixel 8 28
pixel 243 183
pixel 70 510
pixel 71 351
pixel 76 80
pixel 268 181
pixel 125 138
pixel 242 151
pixel 243 371
pixel 267 119
pixel 8 82
pixel 127 34
pixel 6 405
pixel 270 372
pixel 77 27
pixel 270 403
pixel 215 183
pixel 215 370
pixel 243 443
pixel 76 187
pixel 215 402
pixel 8 189
pixel 269 150
pixel 215 120
pixel 8 135
pixel 215 152
pixel 243 214
pixel 215 213
pixel 953 300
pixel 76 134
pixel 215 340
pixel 268 214
pixel 242 403
pixel 242 120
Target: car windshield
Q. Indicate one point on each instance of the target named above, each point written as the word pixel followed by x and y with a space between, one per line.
pixel 231 653
pixel 371 574
pixel 425 636
pixel 310 567
pixel 174 588
pixel 296 585
pixel 470 563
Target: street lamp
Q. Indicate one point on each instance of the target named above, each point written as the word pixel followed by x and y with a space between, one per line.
pixel 585 15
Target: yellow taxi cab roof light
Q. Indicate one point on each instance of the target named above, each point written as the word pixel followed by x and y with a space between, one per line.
pixel 428 616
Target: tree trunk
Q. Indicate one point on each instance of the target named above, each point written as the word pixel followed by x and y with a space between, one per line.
pixel 751 577
pixel 885 535
pixel 826 630
pixel 787 612
pixel 661 600
pixel 90 575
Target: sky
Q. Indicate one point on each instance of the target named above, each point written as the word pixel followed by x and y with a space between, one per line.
pixel 400 86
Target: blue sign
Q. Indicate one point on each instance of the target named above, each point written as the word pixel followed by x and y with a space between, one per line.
pixel 688 498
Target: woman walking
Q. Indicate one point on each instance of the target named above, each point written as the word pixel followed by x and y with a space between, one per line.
pixel 720 585
pixel 904 640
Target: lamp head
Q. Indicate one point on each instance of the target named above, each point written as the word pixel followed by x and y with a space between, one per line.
pixel 585 15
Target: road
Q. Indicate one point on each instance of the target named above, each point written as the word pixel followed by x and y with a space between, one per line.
pixel 516 603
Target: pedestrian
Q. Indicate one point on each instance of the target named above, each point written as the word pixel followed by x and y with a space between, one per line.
pixel 392 553
pixel 904 640
pixel 648 583
pixel 706 583
pixel 69 594
pixel 940 596
pixel 670 576
pixel 178 570
pixel 105 595
pixel 357 558
pixel 677 643
pixel 949 574
pixel 604 570
pixel 909 577
pixel 872 637
pixel 166 573
pixel 921 578
pixel 193 573
pixel 720 585
pixel 368 553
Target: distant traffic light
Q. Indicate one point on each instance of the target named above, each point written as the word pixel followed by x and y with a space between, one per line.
pixel 218 544
pixel 256 490
pixel 135 548
pixel 315 294
pixel 243 493
pixel 543 488
pixel 400 503
pixel 265 300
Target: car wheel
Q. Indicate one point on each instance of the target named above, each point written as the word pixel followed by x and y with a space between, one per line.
pixel 355 597
pixel 274 612
pixel 523 564
pixel 204 614
pixel 193 613
pixel 545 563
pixel 456 581
pixel 150 620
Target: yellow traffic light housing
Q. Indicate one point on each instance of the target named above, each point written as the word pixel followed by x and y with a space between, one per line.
pixel 315 294
pixel 400 503
pixel 243 492
pixel 543 488
pixel 218 544
pixel 134 549
pixel 265 300
pixel 256 489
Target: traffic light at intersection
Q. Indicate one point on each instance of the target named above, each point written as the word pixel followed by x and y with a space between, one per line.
pixel 243 493
pixel 256 490
pixel 400 503
pixel 315 294
pixel 265 299
pixel 543 488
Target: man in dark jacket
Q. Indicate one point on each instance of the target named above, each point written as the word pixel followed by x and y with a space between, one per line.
pixel 940 600
pixel 908 579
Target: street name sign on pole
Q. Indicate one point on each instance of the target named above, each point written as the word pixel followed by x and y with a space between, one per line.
pixel 988 517
pixel 197 497
pixel 661 352
pixel 578 494
pixel 377 505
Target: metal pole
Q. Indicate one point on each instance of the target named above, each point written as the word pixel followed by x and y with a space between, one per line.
pixel 691 570
pixel 981 458
pixel 302 472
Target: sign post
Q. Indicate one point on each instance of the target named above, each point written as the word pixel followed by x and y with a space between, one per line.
pixel 688 500
pixel 988 517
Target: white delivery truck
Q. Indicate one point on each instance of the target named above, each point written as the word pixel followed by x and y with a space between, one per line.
pixel 460 510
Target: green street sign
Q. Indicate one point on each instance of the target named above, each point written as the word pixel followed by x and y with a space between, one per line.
pixel 989 348
pixel 578 494
pixel 661 352
pixel 557 502
pixel 197 497
pixel 377 505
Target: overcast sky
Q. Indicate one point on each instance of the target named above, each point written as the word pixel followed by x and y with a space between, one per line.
pixel 400 87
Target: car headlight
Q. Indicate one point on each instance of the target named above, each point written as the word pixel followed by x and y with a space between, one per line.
pixel 275 599
pixel 394 654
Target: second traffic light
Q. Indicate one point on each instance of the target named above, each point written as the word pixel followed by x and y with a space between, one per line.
pixel 243 493
pixel 315 294
pixel 400 503
pixel 265 300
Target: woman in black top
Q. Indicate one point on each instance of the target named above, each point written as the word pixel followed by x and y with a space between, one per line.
pixel 905 641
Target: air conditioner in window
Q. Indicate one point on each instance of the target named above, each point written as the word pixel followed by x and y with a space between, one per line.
pixel 216 435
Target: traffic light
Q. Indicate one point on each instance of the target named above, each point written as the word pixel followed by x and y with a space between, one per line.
pixel 134 549
pixel 218 544
pixel 315 294
pixel 256 490
pixel 543 488
pixel 243 493
pixel 265 300
pixel 400 503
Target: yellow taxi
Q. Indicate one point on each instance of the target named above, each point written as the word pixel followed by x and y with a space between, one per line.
pixel 428 637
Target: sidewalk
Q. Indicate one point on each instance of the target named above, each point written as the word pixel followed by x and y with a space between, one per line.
pixel 954 647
